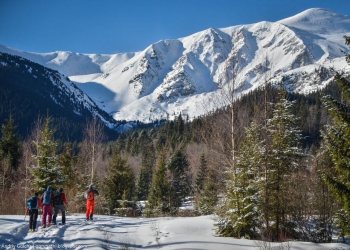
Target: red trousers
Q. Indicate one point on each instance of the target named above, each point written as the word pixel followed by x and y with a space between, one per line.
pixel 90 208
pixel 47 212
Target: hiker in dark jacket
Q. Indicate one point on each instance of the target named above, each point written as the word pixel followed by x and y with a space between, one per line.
pixel 47 200
pixel 58 204
pixel 33 205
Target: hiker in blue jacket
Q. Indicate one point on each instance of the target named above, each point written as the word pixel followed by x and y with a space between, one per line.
pixel 47 200
pixel 33 204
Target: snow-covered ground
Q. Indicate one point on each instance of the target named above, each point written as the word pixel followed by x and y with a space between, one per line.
pixel 110 232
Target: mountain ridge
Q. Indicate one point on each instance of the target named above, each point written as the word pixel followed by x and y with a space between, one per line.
pixel 185 75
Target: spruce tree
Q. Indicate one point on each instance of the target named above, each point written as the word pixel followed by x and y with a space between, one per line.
pixel 239 215
pixel 47 171
pixel 134 149
pixel 282 158
pixel 144 179
pixel 209 194
pixel 322 202
pixel 202 173
pixel 67 160
pixel 120 144
pixel 143 141
pixel 119 183
pixel 10 151
pixel 128 145
pixel 179 178
pixel 158 198
pixel 179 126
pixel 337 141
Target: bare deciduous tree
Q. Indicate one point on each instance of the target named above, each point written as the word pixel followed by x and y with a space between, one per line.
pixel 93 138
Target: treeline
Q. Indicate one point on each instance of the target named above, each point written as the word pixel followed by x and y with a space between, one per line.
pixel 269 174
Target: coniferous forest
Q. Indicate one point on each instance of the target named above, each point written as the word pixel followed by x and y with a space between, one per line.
pixel 271 165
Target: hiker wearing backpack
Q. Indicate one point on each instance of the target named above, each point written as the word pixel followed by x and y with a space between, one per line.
pixel 90 202
pixel 33 204
pixel 47 200
pixel 58 203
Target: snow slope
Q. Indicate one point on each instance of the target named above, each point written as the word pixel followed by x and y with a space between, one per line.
pixel 186 75
pixel 110 232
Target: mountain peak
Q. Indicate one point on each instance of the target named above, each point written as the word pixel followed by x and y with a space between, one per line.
pixel 183 75
pixel 318 21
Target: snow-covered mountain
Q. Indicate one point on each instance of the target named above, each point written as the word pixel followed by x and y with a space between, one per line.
pixel 29 89
pixel 186 74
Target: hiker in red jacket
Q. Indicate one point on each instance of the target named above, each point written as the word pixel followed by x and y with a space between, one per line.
pixel 90 202
pixel 59 201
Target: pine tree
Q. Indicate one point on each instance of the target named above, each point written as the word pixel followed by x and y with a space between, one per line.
pixel 119 182
pixel 47 172
pixel 337 141
pixel 10 151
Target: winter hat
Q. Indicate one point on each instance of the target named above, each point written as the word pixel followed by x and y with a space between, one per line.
pixel 61 190
pixel 48 188
pixel 91 186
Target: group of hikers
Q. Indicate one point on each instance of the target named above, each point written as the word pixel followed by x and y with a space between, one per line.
pixel 49 201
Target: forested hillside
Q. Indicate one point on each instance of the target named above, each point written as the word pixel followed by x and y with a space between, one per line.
pixel 30 91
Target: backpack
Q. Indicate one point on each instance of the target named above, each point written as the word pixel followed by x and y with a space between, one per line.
pixel 58 200
pixel 87 195
pixel 32 203
pixel 47 198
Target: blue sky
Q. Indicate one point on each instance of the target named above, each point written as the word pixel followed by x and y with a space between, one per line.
pixel 115 26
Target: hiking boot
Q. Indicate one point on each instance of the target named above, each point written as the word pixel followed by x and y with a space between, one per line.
pixel 90 217
pixel 49 224
pixel 87 218
pixel 44 226
pixel 30 230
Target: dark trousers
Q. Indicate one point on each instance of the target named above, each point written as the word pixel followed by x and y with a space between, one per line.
pixel 33 216
pixel 58 208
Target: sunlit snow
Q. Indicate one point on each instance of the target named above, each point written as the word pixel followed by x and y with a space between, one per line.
pixel 110 232
pixel 186 75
